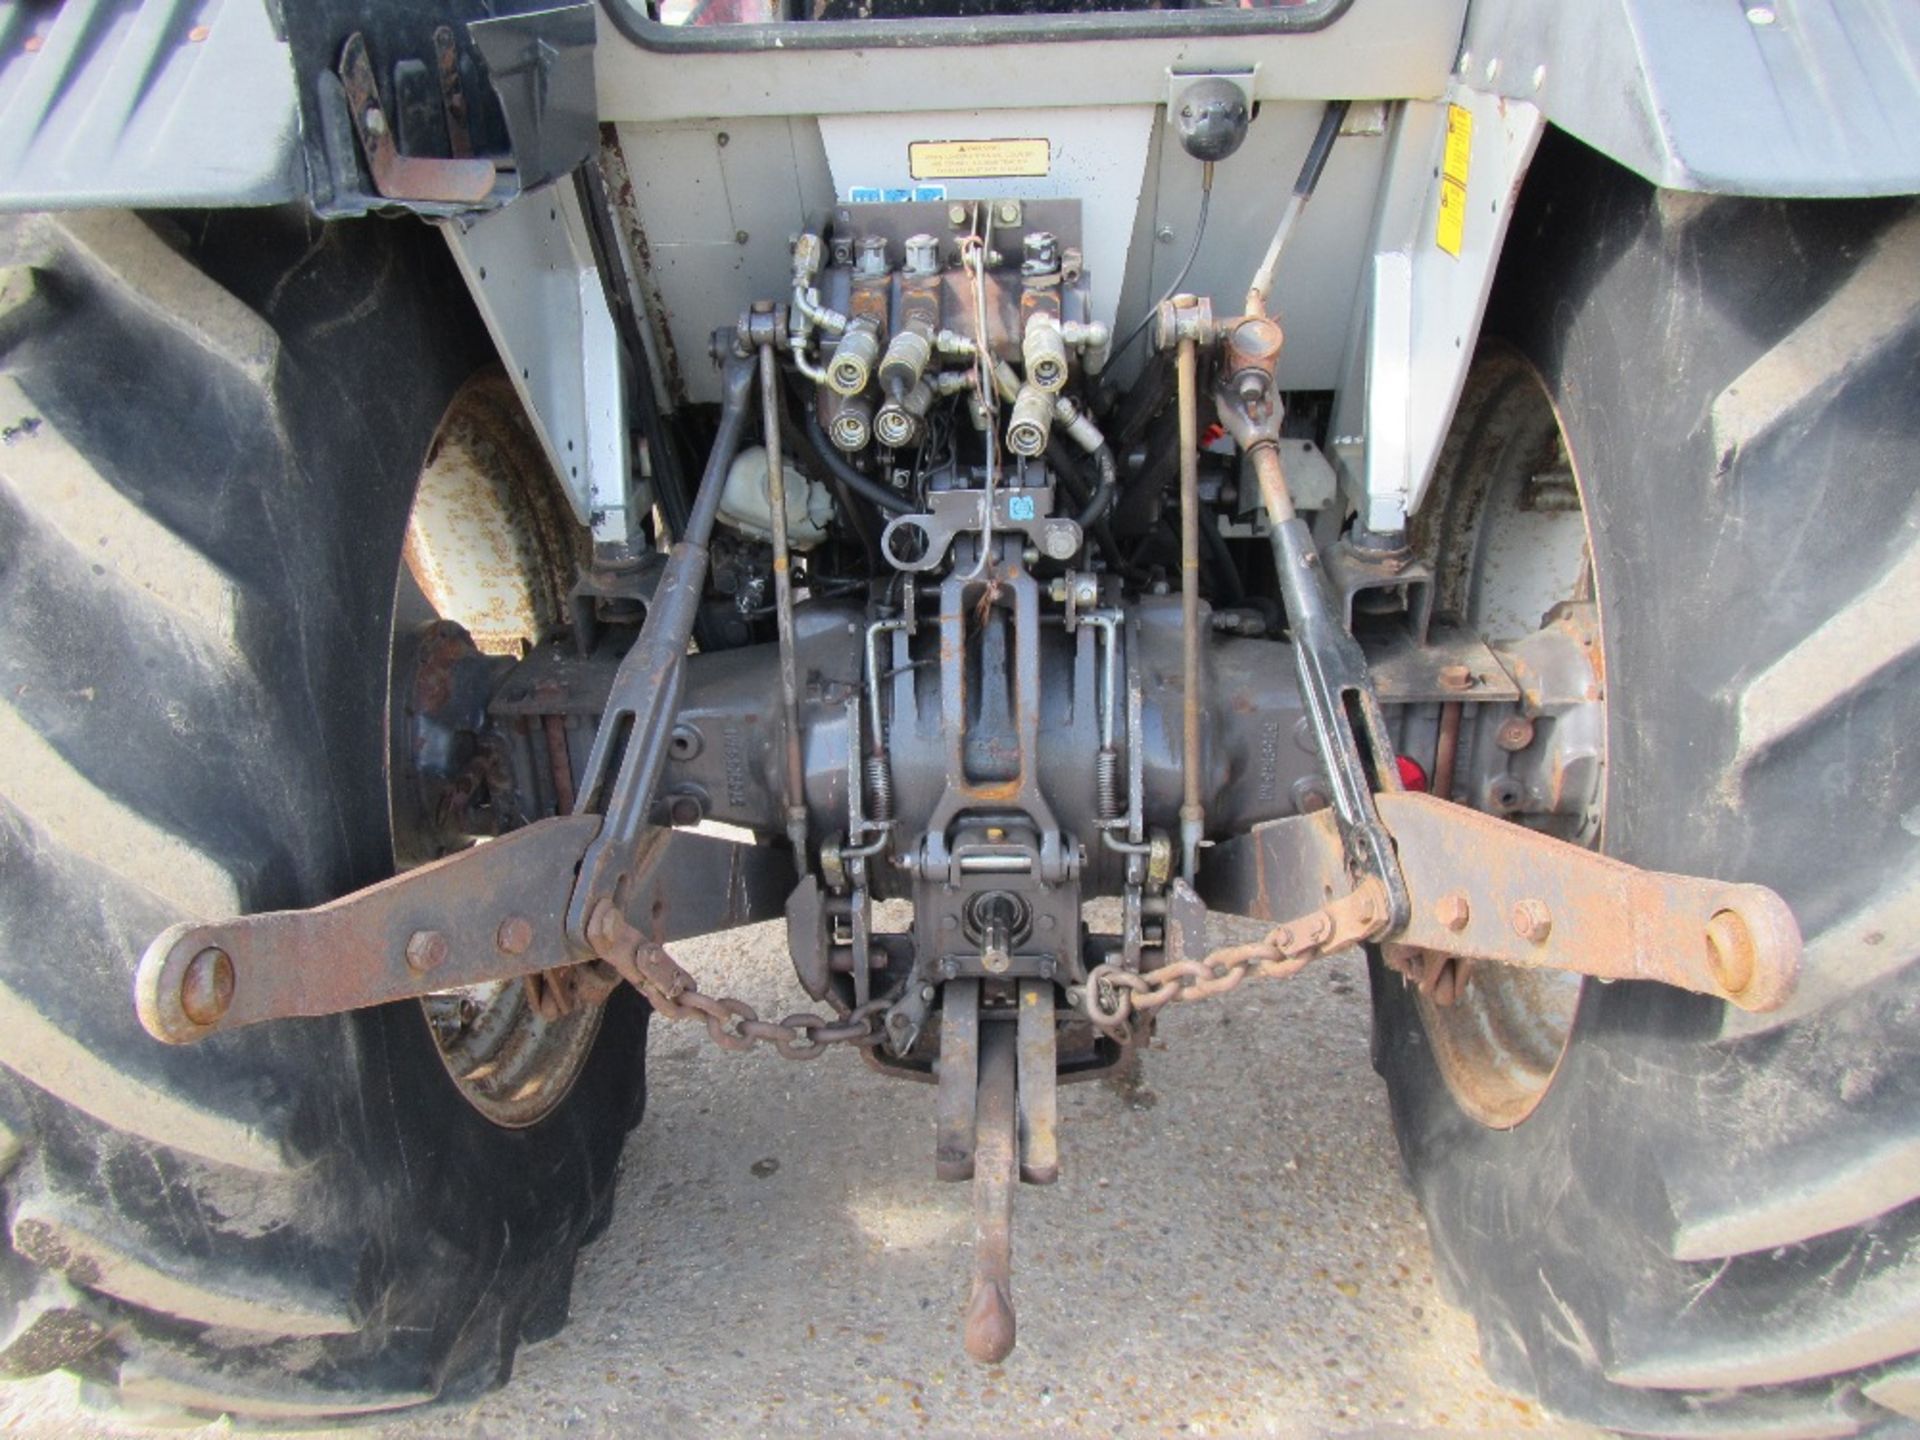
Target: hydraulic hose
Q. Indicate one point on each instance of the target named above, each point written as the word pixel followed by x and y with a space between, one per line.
pixel 1103 492
pixel 858 516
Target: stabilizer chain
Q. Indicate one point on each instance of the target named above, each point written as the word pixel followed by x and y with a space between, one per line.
pixel 731 1023
pixel 1113 995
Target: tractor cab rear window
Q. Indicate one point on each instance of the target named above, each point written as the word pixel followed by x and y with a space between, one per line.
pixel 768 12
pixel 694 15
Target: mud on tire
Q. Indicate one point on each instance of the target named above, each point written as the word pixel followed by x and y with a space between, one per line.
pixel 212 428
pixel 1711 1223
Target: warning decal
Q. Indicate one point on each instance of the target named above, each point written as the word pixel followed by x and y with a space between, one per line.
pixel 1451 223
pixel 977 159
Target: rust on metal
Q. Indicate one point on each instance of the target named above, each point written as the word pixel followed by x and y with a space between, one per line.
pixel 206 990
pixel 1730 950
pixel 1192 813
pixel 1532 920
pixel 426 950
pixel 559 761
pixel 1114 994
pixel 494 912
pixel 1446 752
pixel 1035 1036
pixel 1441 978
pixel 989 1331
pixel 378 944
pixel 1545 903
pixel 403 177
pixel 490 541
pixel 1515 734
pixel 958 1080
pixel 1529 900
pixel 453 95
pixel 732 1024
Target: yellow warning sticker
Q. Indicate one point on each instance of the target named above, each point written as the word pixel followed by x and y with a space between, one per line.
pixel 1450 224
pixel 1459 144
pixel 977 159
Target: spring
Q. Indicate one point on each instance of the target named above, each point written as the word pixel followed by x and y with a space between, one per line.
pixel 879 788
pixel 1106 782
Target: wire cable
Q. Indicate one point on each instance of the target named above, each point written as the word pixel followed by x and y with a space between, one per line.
pixel 1193 251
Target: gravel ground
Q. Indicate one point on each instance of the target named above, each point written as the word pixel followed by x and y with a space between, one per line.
pixel 1231 1250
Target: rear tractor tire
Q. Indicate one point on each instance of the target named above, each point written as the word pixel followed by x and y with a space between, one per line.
pixel 1697 1221
pixel 213 432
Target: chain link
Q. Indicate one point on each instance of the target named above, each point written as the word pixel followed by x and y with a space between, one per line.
pixel 1111 997
pixel 731 1023
pixel 1114 994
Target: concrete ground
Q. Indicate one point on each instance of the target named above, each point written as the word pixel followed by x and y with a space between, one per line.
pixel 1231 1250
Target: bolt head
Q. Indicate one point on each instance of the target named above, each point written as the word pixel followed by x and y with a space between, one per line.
pixel 1009 212
pixel 206 990
pixel 1730 951
pixel 1532 921
pixel 376 122
pixel 515 935
pixel 956 214
pixel 1453 911
pixel 1456 677
pixel 603 925
pixel 1515 733
pixel 426 950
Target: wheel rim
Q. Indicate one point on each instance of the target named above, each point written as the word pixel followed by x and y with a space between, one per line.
pixel 1515 561
pixel 487 550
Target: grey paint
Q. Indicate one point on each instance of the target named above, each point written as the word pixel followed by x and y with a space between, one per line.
pixel 1097 155
pixel 1417 318
pixel 694 196
pixel 119 106
pixel 1379 49
pixel 1321 271
pixel 1750 97
pixel 531 269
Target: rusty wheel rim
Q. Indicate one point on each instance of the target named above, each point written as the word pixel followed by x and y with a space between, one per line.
pixel 1500 1034
pixel 488 548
